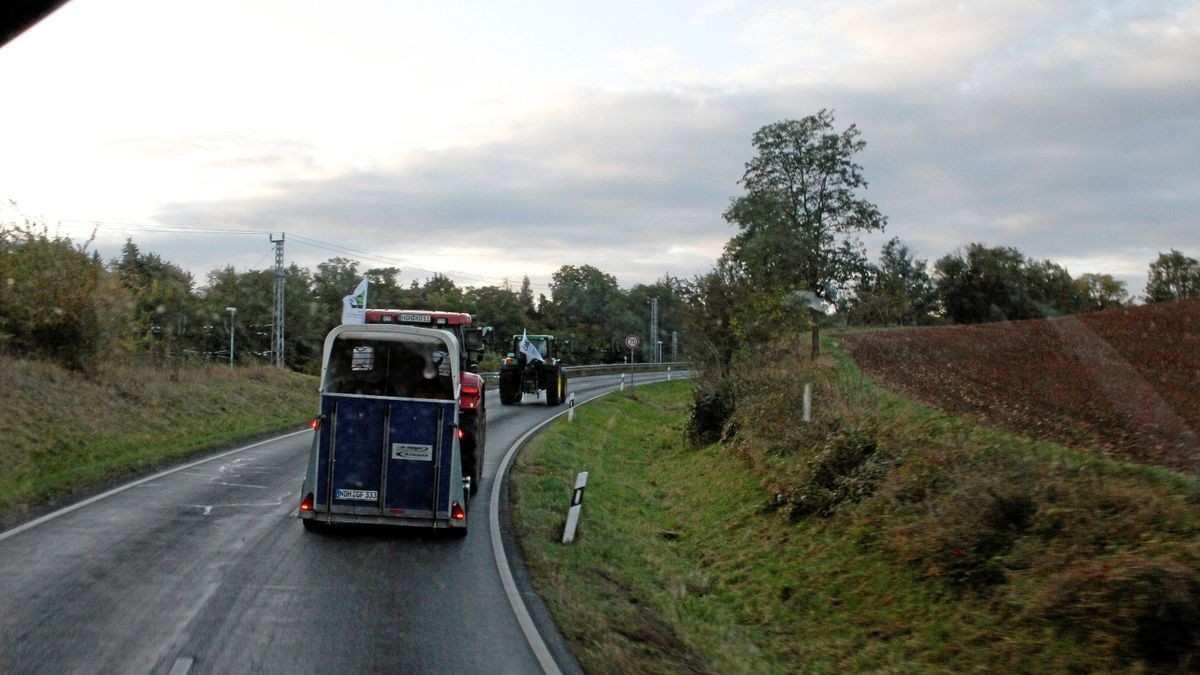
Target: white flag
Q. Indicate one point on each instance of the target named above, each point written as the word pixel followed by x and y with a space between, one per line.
pixel 354 306
pixel 531 353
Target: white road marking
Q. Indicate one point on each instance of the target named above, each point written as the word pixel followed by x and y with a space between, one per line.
pixel 532 636
pixel 182 665
pixel 104 495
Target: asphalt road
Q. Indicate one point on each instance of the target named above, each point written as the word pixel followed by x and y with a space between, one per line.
pixel 206 569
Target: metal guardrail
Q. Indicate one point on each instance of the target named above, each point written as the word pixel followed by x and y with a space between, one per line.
pixel 608 368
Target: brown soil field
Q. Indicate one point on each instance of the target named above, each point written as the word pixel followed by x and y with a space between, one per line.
pixel 1124 382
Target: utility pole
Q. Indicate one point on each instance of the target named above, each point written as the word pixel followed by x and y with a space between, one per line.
pixel 653 341
pixel 674 345
pixel 232 324
pixel 277 340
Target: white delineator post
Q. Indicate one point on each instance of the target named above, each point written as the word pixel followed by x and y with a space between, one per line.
pixel 668 373
pixel 622 381
pixel 571 407
pixel 807 402
pixel 576 508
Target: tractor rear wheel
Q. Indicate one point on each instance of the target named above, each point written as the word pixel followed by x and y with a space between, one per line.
pixel 510 387
pixel 554 387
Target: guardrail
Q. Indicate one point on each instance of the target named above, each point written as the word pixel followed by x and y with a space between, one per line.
pixel 609 368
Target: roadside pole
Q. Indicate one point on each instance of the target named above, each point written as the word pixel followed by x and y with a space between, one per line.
pixel 576 508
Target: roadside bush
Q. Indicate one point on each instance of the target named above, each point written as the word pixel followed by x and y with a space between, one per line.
pixel 1148 608
pixel 713 403
pixel 56 300
pixel 843 469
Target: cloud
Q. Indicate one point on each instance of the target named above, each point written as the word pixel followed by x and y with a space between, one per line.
pixel 1068 131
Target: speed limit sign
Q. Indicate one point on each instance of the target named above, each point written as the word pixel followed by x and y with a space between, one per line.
pixel 631 342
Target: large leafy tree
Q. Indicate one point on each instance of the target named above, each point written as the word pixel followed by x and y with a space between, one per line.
pixel 584 305
pixel 800 217
pixel 803 208
pixel 1173 276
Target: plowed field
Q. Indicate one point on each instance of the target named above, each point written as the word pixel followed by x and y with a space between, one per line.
pixel 1125 383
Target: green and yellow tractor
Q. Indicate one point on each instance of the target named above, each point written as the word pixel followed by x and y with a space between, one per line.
pixel 531 367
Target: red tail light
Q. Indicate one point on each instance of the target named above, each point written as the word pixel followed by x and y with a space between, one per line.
pixel 456 512
pixel 307 503
pixel 469 396
pixel 315 424
pixel 460 433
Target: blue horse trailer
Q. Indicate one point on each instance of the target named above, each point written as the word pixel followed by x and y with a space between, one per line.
pixel 386 442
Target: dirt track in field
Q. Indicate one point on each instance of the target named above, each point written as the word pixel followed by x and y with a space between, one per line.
pixel 1125 383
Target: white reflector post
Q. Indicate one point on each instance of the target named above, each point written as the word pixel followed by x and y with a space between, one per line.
pixel 571 407
pixel 576 507
pixel 807 402
pixel 622 381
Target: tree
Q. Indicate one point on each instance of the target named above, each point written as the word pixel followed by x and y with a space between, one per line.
pixel 498 307
pixel 801 208
pixel 1099 292
pixel 897 291
pixel 167 310
pixel 1173 276
pixel 585 302
pixel 982 283
pixel 526 298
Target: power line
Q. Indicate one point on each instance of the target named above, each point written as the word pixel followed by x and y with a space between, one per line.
pixel 461 276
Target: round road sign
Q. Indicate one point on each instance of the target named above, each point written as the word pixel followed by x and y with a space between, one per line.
pixel 631 342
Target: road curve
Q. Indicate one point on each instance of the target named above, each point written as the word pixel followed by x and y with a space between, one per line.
pixel 205 569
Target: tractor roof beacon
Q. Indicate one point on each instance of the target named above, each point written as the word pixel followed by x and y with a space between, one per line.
pixel 533 366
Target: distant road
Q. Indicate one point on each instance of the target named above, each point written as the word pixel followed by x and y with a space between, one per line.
pixel 206 570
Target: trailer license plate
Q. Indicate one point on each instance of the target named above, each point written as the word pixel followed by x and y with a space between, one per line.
pixel 363 495
pixel 416 318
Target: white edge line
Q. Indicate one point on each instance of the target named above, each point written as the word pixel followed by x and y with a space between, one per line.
pixel 532 636
pixel 104 495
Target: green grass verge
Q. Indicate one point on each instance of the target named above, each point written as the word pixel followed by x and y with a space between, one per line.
pixel 700 559
pixel 63 431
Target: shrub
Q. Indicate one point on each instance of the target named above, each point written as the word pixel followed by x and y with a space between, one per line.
pixel 713 403
pixel 1149 608
pixel 843 469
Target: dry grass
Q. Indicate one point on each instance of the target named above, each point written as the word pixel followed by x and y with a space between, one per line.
pixel 63 431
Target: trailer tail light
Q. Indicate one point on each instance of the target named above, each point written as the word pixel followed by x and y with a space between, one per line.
pixel 315 424
pixel 459 433
pixel 306 504
pixel 457 513
pixel 469 396
pixel 508 362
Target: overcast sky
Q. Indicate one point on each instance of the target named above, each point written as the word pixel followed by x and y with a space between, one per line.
pixel 498 139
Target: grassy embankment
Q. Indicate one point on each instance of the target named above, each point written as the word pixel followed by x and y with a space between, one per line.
pixel 883 536
pixel 61 431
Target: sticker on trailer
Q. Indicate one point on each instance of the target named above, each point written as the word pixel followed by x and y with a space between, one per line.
pixel 412 452
pixel 360 495
pixel 416 318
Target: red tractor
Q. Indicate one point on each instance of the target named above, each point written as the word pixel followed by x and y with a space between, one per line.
pixel 472 411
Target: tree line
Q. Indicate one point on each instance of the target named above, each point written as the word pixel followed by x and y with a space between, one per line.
pixel 61 301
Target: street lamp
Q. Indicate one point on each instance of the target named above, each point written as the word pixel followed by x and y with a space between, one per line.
pixel 232 313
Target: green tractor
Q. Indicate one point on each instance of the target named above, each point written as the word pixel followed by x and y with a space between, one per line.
pixel 532 366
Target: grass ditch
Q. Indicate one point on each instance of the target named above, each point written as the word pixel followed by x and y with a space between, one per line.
pixel 884 536
pixel 64 432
